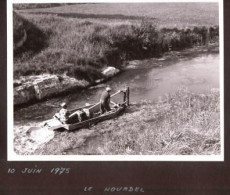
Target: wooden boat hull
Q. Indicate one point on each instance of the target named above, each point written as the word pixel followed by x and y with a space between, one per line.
pixel 55 124
pixel 93 111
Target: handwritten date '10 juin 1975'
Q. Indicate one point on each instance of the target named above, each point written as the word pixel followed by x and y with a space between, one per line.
pixel 35 170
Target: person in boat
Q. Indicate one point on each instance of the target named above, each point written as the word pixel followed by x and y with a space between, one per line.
pixel 64 113
pixel 105 100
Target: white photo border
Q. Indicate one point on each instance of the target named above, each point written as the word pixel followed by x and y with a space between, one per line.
pixel 12 156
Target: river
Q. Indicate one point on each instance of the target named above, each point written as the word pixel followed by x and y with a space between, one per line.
pixel 196 69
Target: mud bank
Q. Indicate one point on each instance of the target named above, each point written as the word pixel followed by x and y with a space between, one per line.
pixel 34 88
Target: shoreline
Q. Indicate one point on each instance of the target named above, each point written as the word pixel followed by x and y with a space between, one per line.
pixel 72 87
pixel 53 56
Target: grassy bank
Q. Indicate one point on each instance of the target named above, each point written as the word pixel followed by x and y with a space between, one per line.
pixel 182 123
pixel 82 47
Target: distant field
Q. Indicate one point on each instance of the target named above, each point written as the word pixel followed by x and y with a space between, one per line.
pixel 165 14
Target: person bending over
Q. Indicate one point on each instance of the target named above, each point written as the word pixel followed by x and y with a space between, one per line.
pixel 64 113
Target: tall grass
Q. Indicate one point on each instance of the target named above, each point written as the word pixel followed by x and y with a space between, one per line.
pixel 79 46
pixel 182 123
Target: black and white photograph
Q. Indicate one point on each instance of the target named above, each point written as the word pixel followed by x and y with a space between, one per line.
pixel 115 81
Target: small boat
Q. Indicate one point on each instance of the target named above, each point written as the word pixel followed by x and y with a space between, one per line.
pixel 92 113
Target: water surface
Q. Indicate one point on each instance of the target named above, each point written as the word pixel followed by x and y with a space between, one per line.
pixel 147 79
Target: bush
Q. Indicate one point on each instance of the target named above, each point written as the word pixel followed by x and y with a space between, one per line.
pixel 35 41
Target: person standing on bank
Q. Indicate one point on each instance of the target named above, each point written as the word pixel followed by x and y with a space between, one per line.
pixel 105 100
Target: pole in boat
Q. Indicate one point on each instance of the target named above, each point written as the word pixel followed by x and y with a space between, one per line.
pixel 127 96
